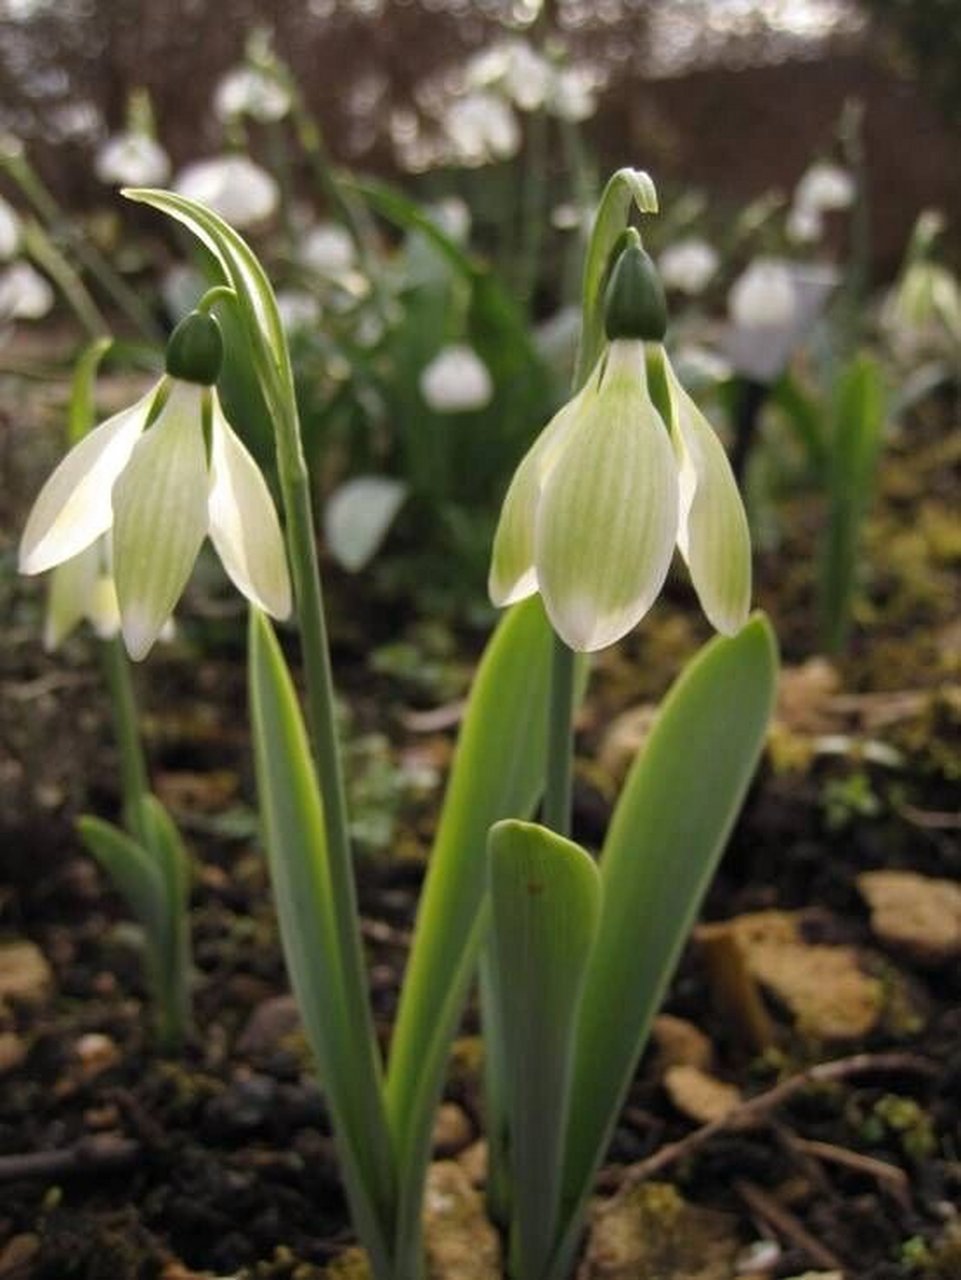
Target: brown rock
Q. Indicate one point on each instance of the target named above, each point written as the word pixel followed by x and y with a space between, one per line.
pixel 95 1053
pixel 270 1023
pixel 650 1232
pixel 459 1241
pixel 680 1044
pixel 16 1257
pixel 12 1051
pixel 473 1160
pixel 700 1096
pixel 915 914
pixel 24 973
pixel 452 1129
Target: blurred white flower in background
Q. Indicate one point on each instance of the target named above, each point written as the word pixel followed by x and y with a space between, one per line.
pixel 232 185
pixel 132 159
pixel 452 216
pixel 762 297
pixel 456 381
pixel 24 293
pixel 688 265
pixel 9 230
pixel 824 188
pixel 574 93
pixel 328 249
pixel 249 92
pixel 297 309
pixel 481 127
pixel 528 78
pixel 181 288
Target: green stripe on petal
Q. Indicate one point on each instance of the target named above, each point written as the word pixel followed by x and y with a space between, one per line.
pixel 243 523
pixel 160 517
pixel 713 533
pixel 607 519
pixel 512 575
pixel 73 507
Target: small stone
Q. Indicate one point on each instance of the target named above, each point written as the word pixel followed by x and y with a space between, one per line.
pixel 12 1051
pixel 452 1129
pixel 17 1255
pixel 473 1160
pixel 459 1241
pixel 623 740
pixel 700 1096
pixel 758 1258
pixel 271 1022
pixel 24 973
pixel 680 1044
pixel 915 914
pixel 96 1053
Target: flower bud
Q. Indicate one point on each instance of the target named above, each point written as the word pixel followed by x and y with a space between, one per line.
pixel 634 304
pixel 195 351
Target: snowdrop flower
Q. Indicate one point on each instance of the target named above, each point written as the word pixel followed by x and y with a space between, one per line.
pixel 528 77
pixel 24 293
pixel 297 309
pixel 9 230
pixel 240 191
pixel 159 477
pixel 573 94
pixel 328 249
pixel 249 92
pixel 804 225
pixel 452 216
pixel 824 188
pixel 456 381
pixel 482 127
pixel 82 589
pixel 608 489
pixel 763 295
pixel 132 159
pixel 688 265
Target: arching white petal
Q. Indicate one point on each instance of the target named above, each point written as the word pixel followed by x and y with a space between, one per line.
pixel 713 533
pixel 607 519
pixel 243 523
pixel 512 574
pixel 71 586
pixel 160 517
pixel 73 508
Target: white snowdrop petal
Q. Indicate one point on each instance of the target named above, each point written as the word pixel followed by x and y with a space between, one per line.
pixel 73 507
pixel 240 191
pixel 9 230
pixel 160 517
pixel 243 523
pixel 24 293
pixel 133 160
pixel 358 516
pixel 456 381
pixel 71 586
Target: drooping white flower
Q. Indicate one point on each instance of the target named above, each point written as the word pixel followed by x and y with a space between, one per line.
pixel 328 249
pixel 825 187
pixel 132 159
pixel 24 293
pixel 573 93
pixel 82 589
pixel 528 78
pixel 481 127
pixel 148 477
pixel 242 192
pixel 247 91
pixel 688 265
pixel 456 381
pixel 804 225
pixel 452 216
pixel 9 230
pixel 763 295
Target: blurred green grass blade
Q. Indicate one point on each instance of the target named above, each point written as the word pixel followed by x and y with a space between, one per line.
pixel 130 867
pixel 407 214
pixel 545 905
pixel 498 772
pixel 803 414
pixel 173 964
pixel 293 823
pixel 670 825
pixel 625 187
pixel 81 410
pixel 856 442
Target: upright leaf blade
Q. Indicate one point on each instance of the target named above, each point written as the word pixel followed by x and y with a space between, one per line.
pixel 545 905
pixel 675 813
pixel 293 821
pixel 130 867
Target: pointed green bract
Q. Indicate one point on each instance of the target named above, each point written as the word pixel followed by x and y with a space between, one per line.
pixel 160 518
pixel 675 813
pixel 130 867
pixel 545 905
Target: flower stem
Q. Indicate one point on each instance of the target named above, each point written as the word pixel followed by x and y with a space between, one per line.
pixel 46 255
pixel 133 764
pixel 557 792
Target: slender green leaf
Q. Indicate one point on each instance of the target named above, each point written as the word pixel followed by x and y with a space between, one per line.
pixel 293 822
pixel 81 411
pixel 498 772
pixel 857 431
pixel 805 417
pixel 625 187
pixel 545 905
pixel 409 215
pixel 673 818
pixel 130 867
pixel 172 966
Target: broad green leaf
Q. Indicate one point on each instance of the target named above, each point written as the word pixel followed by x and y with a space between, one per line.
pixel 673 818
pixel 131 868
pixel 625 187
pixel 293 822
pixel 857 432
pixel 545 905
pixel 498 772
pixel 81 411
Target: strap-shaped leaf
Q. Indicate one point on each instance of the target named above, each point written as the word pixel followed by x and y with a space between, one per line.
pixel 498 772
pixel 293 821
pixel 625 187
pixel 131 868
pixel 81 410
pixel 674 815
pixel 545 905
